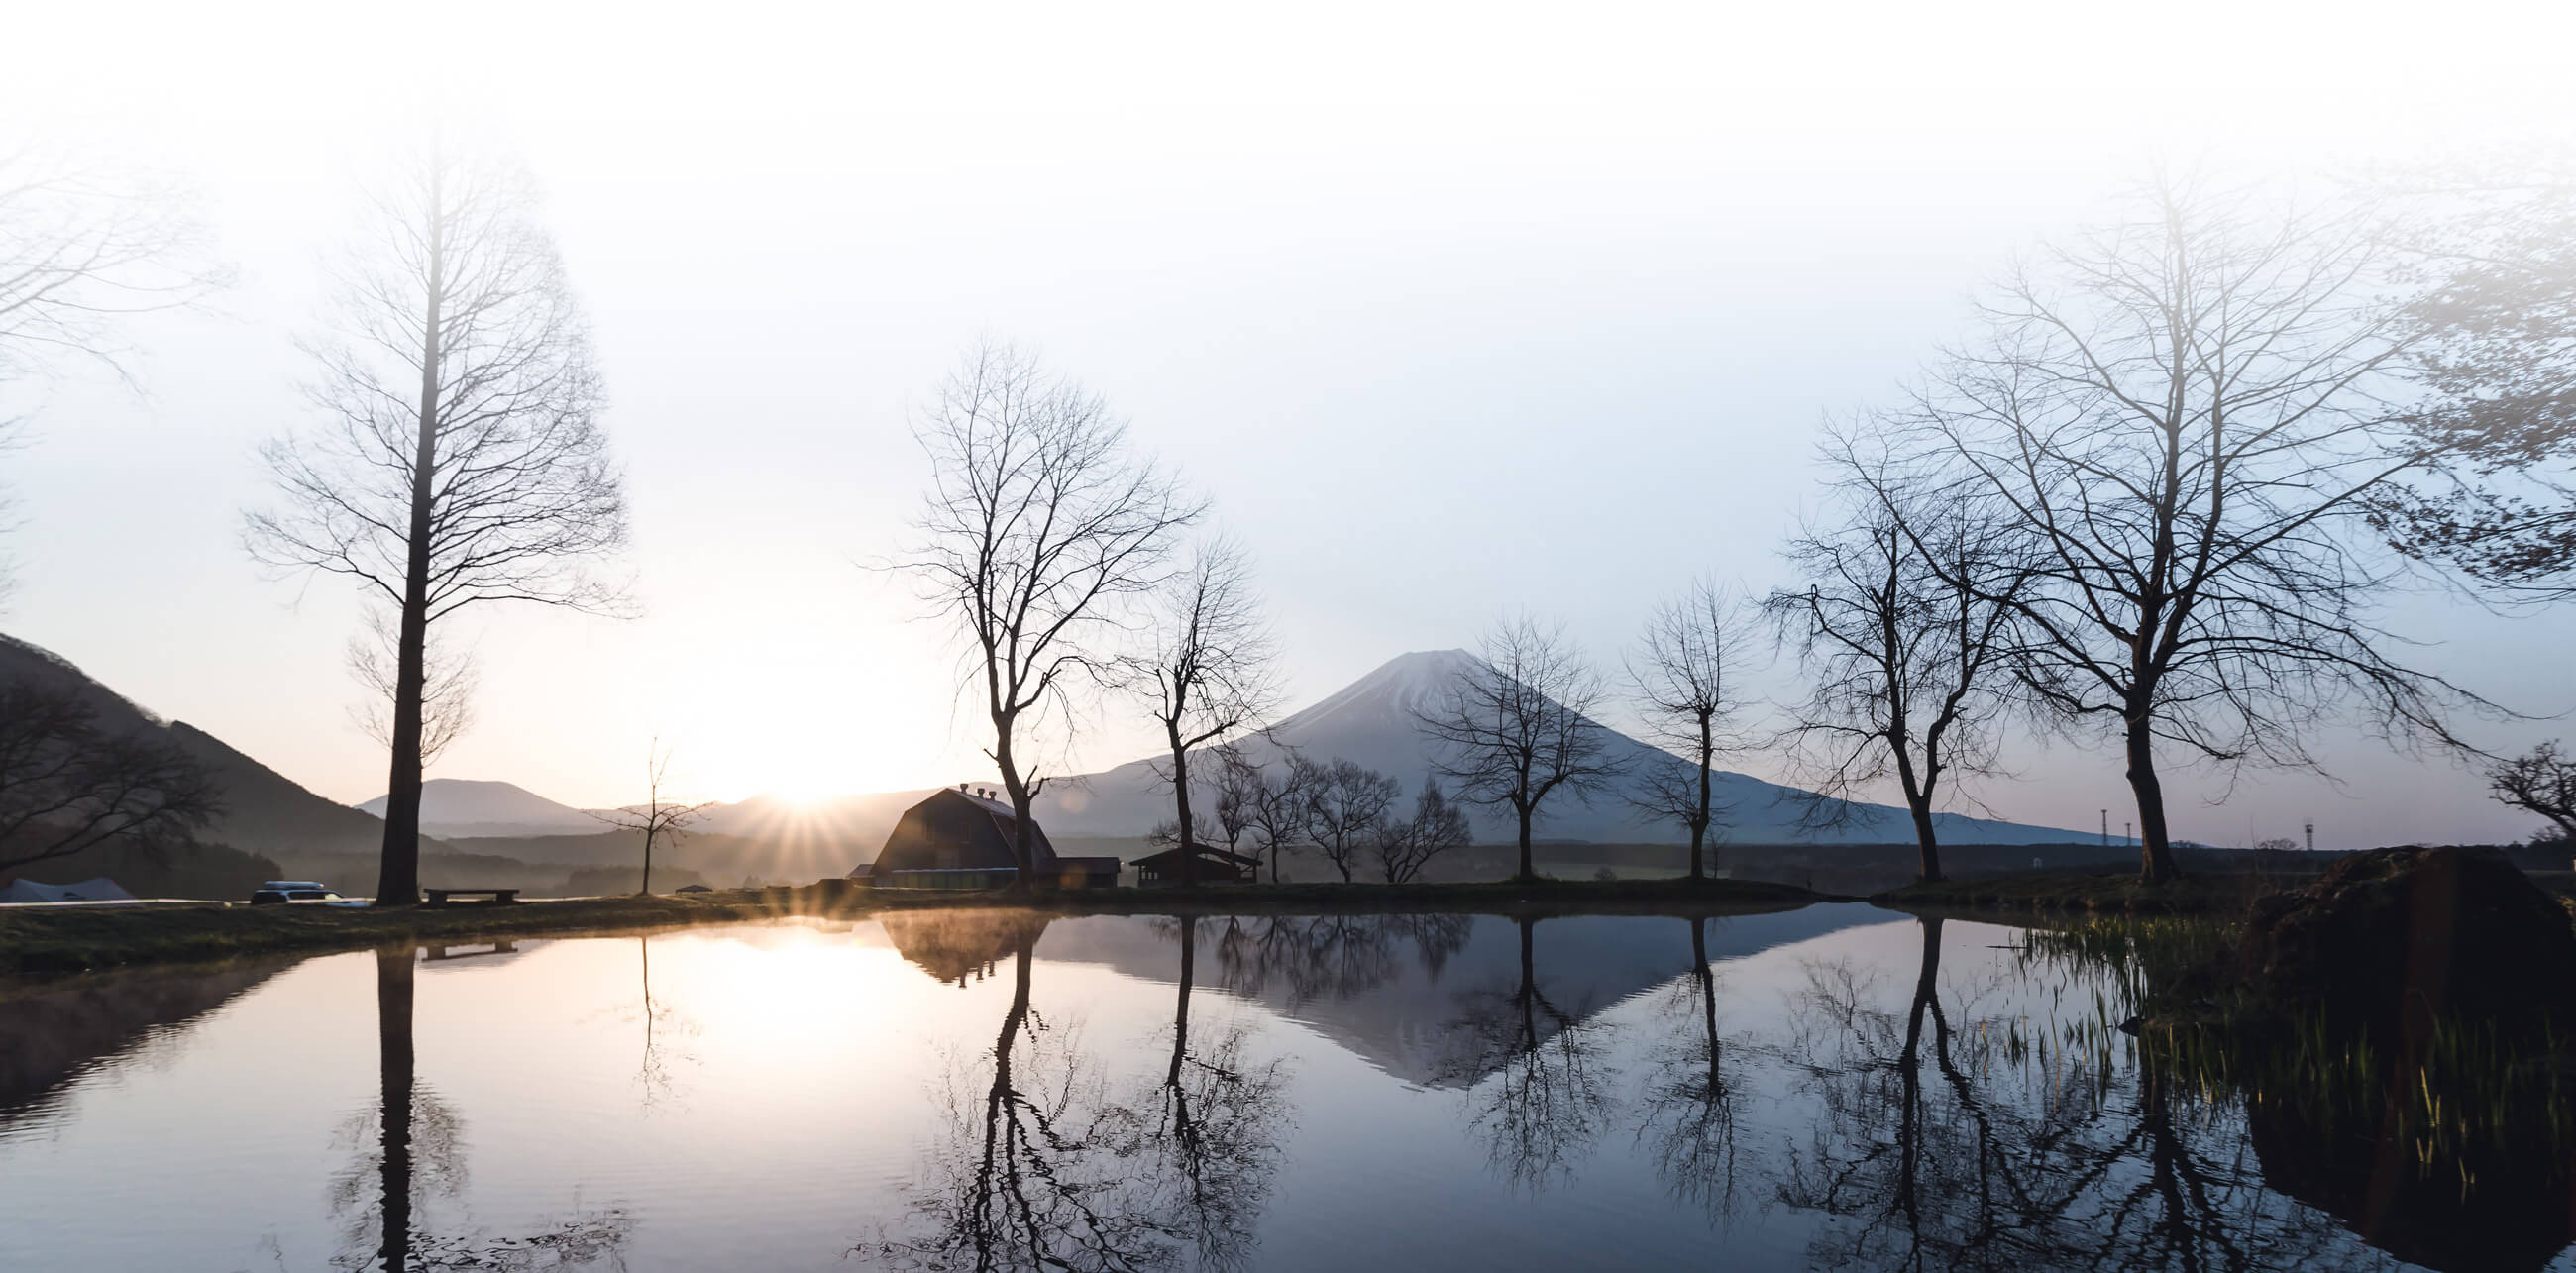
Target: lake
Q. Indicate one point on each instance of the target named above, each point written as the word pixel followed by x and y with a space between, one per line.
pixel 1827 1088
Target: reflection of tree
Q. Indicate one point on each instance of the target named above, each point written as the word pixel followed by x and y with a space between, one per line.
pixel 1332 956
pixel 1220 1118
pixel 1542 1085
pixel 1689 1107
pixel 662 1023
pixel 415 1149
pixel 1042 1168
pixel 1994 1157
pixel 1030 1175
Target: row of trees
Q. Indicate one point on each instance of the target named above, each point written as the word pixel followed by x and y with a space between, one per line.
pixel 2155 500
pixel 1348 814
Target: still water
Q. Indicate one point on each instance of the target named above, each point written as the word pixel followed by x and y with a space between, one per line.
pixel 1835 1087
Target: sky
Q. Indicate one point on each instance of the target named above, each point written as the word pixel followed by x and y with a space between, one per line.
pixel 1452 311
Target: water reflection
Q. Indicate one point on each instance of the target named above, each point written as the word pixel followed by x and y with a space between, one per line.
pixel 1540 1071
pixel 1047 1163
pixel 1689 1108
pixel 1839 1088
pixel 413 1148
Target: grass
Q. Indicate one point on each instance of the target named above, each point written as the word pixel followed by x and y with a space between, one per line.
pixel 2124 893
pixel 77 938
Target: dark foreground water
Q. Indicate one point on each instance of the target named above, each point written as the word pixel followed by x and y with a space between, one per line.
pixel 1838 1087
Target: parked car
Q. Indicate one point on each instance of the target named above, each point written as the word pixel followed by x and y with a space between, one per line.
pixel 300 892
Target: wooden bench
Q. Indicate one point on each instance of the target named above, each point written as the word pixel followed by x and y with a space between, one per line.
pixel 492 896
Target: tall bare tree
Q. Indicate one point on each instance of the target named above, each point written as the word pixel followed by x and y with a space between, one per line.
pixel 658 819
pixel 1346 809
pixel 1515 727
pixel 1687 679
pixel 2541 781
pixel 2188 410
pixel 462 461
pixel 1208 675
pixel 1905 630
pixel 1041 529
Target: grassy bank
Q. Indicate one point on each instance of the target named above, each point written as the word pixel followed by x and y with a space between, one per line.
pixel 74 938
pixel 2224 896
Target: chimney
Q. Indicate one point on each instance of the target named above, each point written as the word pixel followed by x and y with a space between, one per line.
pixel 961 786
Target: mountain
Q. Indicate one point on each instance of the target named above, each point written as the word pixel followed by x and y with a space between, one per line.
pixel 452 808
pixel 1372 722
pixel 264 810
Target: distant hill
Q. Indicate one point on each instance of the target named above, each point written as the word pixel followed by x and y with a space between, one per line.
pixel 1372 722
pixel 453 808
pixel 264 810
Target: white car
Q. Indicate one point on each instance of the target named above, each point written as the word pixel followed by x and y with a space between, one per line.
pixel 300 892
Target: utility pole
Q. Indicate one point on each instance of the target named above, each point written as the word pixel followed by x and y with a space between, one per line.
pixel 2106 828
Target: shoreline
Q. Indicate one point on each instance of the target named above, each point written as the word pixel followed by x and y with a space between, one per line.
pixel 42 941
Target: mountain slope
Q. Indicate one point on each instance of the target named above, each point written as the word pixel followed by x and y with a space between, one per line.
pixel 456 807
pixel 1372 722
pixel 264 810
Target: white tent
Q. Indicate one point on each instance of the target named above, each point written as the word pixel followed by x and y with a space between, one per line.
pixel 101 889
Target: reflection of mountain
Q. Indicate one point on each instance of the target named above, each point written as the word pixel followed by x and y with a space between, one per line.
pixel 55 1030
pixel 1372 722
pixel 1364 981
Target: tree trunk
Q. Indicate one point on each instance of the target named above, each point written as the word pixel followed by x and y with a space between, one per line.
pixel 647 882
pixel 1925 838
pixel 398 868
pixel 1527 874
pixel 1023 845
pixel 1181 799
pixel 394 1078
pixel 2155 852
pixel 1699 825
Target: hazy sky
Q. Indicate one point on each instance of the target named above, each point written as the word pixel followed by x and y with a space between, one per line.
pixel 1452 310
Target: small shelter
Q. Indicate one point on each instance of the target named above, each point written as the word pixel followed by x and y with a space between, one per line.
pixel 961 838
pixel 101 889
pixel 1214 866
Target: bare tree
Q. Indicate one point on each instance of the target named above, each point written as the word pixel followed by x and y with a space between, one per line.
pixel 2491 239
pixel 1515 727
pixel 1236 796
pixel 1277 797
pixel 658 819
pixel 2541 781
pixel 83 246
pixel 1346 807
pixel 1905 629
pixel 463 462
pixel 1686 677
pixel 2185 409
pixel 1209 674
pixel 1039 527
pixel 1404 846
pixel 67 785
